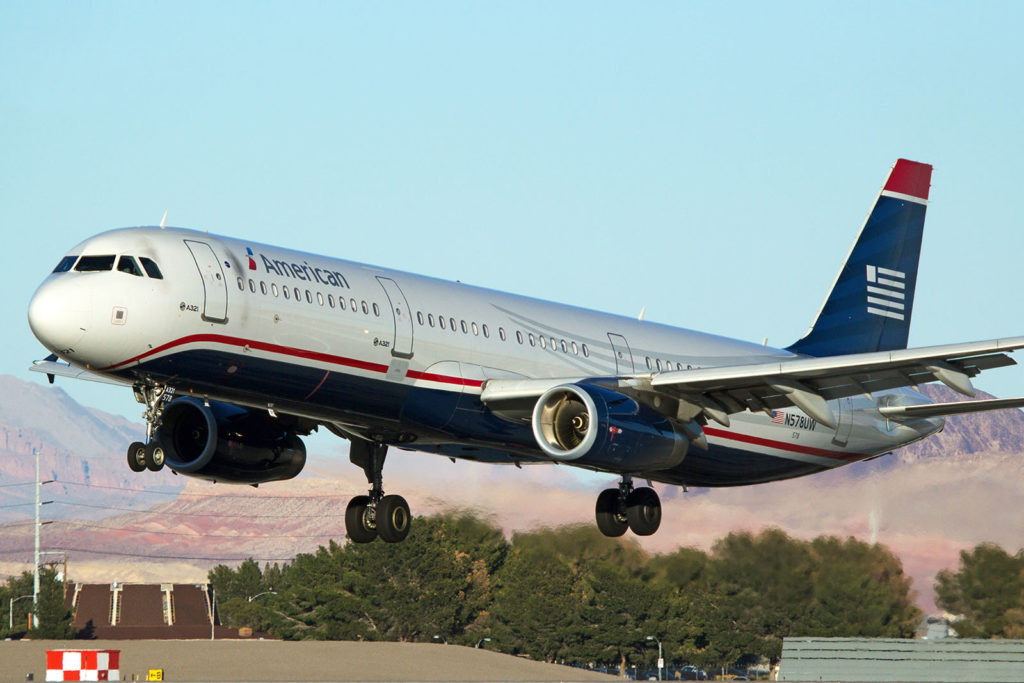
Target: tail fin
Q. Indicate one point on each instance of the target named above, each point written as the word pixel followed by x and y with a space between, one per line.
pixel 869 306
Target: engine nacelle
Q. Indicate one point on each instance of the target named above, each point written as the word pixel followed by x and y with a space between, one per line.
pixel 223 442
pixel 591 425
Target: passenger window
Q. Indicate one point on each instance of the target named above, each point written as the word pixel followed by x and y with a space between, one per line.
pixel 341 304
pixel 273 288
pixel 298 294
pixel 564 348
pixel 330 300
pixel 533 342
pixel 440 320
pixel 376 310
pixel 519 336
pixel 366 310
pixel 419 317
pixel 152 269
pixel 92 264
pixel 263 288
pixel 650 366
pixel 355 306
pixel 65 264
pixel 575 349
pixel 586 351
pixel 657 364
pixel 309 297
pixel 543 342
pixel 501 333
pixel 320 298
pixel 476 330
pixel 241 284
pixel 465 330
pixel 484 329
pixel 552 343
pixel 252 286
pixel 451 323
pixel 286 291
pixel 127 264
pixel 430 319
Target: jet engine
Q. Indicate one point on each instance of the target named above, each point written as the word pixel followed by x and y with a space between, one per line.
pixel 223 442
pixel 591 425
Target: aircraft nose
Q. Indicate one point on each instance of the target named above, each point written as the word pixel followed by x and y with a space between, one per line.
pixel 59 315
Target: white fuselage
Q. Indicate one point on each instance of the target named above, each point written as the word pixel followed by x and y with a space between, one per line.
pixel 402 356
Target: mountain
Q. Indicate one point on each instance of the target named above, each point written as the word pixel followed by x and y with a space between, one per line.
pixel 926 502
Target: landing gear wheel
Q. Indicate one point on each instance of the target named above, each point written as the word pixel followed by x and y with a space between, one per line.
pixel 643 511
pixel 393 519
pixel 610 519
pixel 137 456
pixel 154 456
pixel 358 526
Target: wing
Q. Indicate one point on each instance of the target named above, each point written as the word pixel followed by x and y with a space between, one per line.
pixel 805 382
pixel 52 367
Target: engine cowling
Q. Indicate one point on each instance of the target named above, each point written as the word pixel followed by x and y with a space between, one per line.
pixel 592 425
pixel 223 442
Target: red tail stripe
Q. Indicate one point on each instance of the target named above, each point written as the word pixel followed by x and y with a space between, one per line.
pixel 910 178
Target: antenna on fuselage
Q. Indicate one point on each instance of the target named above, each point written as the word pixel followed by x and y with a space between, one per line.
pixel 643 310
pixel 163 221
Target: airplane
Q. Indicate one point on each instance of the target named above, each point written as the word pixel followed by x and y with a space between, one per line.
pixel 237 349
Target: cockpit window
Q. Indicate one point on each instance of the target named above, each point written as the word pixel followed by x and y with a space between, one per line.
pixel 88 264
pixel 65 264
pixel 152 269
pixel 127 264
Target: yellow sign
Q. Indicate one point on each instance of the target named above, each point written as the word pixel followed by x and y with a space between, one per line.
pixel 155 675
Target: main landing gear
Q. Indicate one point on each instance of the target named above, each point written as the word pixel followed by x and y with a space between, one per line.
pixel 149 455
pixel 373 515
pixel 627 508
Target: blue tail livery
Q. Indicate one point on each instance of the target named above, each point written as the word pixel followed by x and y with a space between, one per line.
pixel 871 301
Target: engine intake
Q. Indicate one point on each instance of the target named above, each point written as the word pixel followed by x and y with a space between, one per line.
pixel 224 442
pixel 589 424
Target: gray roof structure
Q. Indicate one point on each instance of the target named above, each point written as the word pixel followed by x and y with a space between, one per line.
pixel 885 659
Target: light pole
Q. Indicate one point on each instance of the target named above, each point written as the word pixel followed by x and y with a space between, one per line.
pixel 262 594
pixel 481 641
pixel 661 660
pixel 10 611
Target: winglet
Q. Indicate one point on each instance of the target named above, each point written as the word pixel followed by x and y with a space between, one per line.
pixel 870 303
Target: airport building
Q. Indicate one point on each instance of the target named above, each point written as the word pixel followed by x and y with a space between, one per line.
pixel 885 659
pixel 119 611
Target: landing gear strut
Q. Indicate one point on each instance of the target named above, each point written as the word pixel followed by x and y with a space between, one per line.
pixel 149 455
pixel 625 507
pixel 373 515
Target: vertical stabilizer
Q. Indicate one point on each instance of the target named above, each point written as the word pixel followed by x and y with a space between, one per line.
pixel 870 303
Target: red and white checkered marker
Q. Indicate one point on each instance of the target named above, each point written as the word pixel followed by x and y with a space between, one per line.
pixel 83 665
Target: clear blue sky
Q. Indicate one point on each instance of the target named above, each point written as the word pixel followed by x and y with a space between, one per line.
pixel 710 161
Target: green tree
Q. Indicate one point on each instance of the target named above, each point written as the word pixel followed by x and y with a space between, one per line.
pixel 860 590
pixel 538 600
pixel 53 620
pixel 988 590
pixel 16 587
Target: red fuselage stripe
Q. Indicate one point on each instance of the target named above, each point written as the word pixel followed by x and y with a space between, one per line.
pixel 782 445
pixel 294 352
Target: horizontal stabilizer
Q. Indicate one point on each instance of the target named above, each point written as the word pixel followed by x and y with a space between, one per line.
pixel 942 409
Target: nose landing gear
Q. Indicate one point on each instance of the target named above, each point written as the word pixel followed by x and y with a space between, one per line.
pixel 149 455
pixel 373 515
pixel 625 507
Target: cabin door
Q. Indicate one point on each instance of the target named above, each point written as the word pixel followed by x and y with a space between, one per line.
pixel 215 285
